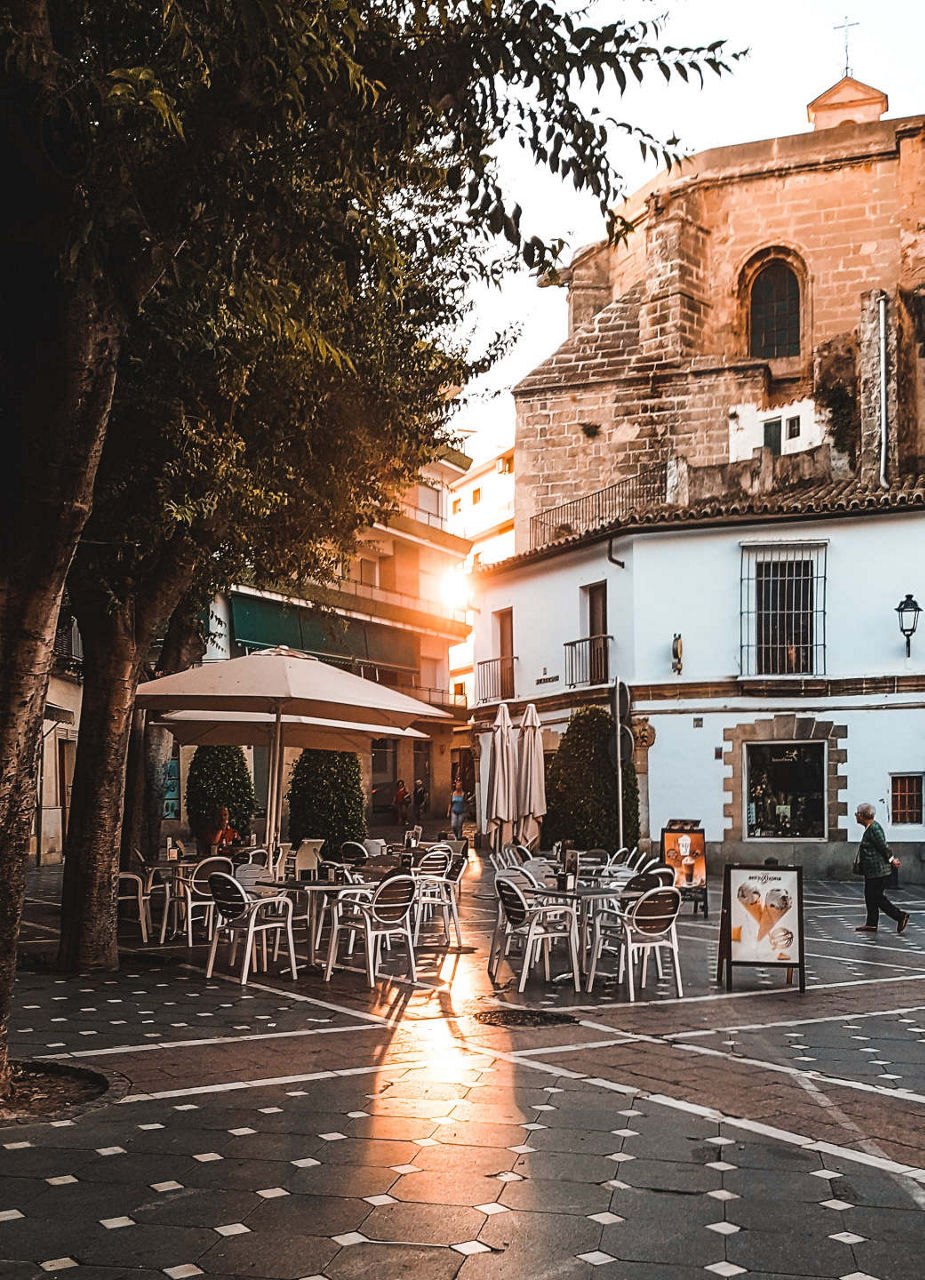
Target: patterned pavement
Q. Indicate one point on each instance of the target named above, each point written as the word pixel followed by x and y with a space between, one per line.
pixel 309 1130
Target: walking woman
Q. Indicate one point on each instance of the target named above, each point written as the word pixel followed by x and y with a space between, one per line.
pixel 876 862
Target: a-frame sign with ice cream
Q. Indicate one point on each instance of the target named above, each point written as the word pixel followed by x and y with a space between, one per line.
pixel 761 924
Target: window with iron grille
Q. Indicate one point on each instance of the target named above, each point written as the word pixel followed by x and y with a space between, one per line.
pixel 906 791
pixel 782 609
pixel 774 313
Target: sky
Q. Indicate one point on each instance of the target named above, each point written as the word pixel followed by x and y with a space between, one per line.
pixel 795 53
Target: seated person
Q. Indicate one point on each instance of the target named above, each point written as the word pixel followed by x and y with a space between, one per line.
pixel 221 834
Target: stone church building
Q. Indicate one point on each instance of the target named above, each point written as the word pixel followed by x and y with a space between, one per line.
pixel 721 492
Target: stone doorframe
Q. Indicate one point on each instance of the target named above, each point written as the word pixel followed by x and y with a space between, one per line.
pixel 787 728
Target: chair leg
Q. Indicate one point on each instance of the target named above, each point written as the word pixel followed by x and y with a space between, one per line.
pixel 190 914
pixel 546 959
pixel 370 955
pixel 263 948
pixel 645 968
pixel 169 910
pixel 142 914
pixel 455 913
pixel 212 950
pixel 630 961
pixel 248 951
pixel 597 943
pixel 332 948
pixel 410 945
pixel 528 953
pixel 676 958
pixel 291 941
pixel 576 954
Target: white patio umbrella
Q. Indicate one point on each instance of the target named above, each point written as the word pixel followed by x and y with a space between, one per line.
pixel 531 777
pixel 251 728
pixel 501 800
pixel 283 681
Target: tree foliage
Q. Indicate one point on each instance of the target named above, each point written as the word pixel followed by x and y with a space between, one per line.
pixel 326 799
pixel 581 791
pixel 219 778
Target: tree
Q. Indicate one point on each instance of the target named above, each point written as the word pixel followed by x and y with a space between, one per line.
pixel 326 799
pixel 125 135
pixel 581 791
pixel 218 779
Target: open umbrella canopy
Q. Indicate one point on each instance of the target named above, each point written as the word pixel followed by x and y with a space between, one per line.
pixel 249 728
pixel 501 801
pixel 531 777
pixel 283 680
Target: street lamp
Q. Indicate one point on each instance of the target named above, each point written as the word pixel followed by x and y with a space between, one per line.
pixel 908 611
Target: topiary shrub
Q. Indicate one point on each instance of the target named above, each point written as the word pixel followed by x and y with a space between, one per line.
pixel 326 799
pixel 219 778
pixel 581 790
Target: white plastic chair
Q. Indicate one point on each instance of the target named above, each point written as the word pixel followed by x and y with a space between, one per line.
pixel 646 925
pixel 435 893
pixel 377 917
pixel 240 915
pixel 195 898
pixel 135 892
pixel 539 924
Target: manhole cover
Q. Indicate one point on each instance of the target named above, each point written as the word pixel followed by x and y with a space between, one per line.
pixel 522 1018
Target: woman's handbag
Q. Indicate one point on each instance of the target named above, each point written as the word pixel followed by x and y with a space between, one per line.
pixel 858 868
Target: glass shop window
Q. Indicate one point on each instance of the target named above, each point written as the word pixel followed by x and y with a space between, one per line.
pixel 785 790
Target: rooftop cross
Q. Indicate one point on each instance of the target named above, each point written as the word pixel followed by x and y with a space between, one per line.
pixel 846 27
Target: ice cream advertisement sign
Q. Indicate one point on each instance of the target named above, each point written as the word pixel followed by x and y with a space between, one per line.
pixel 762 918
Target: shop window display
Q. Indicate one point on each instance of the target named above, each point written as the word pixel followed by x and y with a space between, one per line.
pixel 786 790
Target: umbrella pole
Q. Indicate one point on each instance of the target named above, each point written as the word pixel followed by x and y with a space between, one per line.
pixel 280 770
pixel 273 783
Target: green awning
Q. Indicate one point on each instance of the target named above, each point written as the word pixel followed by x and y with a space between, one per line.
pixel 258 623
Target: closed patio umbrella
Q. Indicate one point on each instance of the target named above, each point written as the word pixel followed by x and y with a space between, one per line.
pixel 283 681
pixel 501 800
pixel 531 777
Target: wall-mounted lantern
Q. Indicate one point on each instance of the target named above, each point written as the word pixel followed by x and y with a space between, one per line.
pixel 677 655
pixel 908 612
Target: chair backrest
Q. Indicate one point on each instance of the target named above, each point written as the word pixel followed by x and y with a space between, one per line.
pixel 231 902
pixel 258 858
pixel 353 853
pixel 655 912
pixel 248 873
pixel 180 848
pixel 513 903
pixel 434 863
pixel 641 883
pixel 457 868
pixel 665 874
pixel 619 858
pixel 393 898
pixel 199 880
pixel 416 833
pixel 592 862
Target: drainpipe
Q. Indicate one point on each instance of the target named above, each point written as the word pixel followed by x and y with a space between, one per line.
pixel 884 484
pixel 621 564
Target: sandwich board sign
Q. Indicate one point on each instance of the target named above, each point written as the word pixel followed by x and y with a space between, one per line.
pixel 761 924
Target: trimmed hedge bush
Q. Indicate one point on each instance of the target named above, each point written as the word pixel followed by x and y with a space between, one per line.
pixel 326 799
pixel 581 790
pixel 219 778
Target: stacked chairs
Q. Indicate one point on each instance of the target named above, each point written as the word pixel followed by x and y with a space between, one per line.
pixel 377 917
pixel 538 924
pixel 237 914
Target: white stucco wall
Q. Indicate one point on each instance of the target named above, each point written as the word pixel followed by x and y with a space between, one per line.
pixel 687 581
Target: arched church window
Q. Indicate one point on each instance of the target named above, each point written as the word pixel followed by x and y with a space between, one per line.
pixel 774 315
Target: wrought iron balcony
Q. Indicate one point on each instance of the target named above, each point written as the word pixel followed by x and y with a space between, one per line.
pixel 647 488
pixel 495 679
pixel 587 661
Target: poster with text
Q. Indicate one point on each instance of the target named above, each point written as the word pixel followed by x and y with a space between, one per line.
pixel 764 915
pixel 686 853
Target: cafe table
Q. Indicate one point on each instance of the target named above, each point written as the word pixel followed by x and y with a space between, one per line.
pixel 584 896
pixel 316 892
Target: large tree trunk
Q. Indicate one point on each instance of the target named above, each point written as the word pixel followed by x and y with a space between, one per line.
pixel 91 855
pixel 57 379
pixel 133 822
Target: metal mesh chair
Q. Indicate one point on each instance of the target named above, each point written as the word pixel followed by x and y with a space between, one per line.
pixel 646 925
pixel 384 915
pixel 238 914
pixel 194 897
pixel 435 893
pixel 132 889
pixel 539 924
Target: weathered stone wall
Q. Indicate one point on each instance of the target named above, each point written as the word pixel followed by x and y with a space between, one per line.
pixel 656 369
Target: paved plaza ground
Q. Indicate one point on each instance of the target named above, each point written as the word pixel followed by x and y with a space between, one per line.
pixel 288 1130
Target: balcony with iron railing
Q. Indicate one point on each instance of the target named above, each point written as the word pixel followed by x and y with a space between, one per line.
pixel 495 679
pixel 435 519
pixel 647 488
pixel 587 661
pixel 68 649
pixel 422 604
